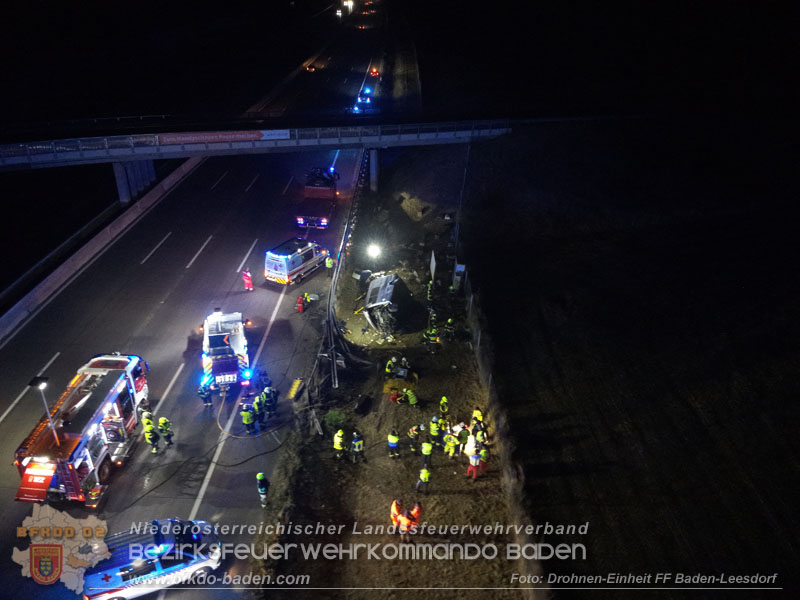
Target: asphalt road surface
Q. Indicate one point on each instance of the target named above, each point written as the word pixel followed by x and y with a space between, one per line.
pixel 146 295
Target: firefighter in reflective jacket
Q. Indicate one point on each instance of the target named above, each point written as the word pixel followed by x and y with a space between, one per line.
pixel 205 395
pixel 270 400
pixel 396 511
pixel 416 513
pixel 248 418
pixel 477 415
pixel 151 437
pixel 413 437
pixel 338 444
pixel 329 265
pixel 443 408
pixel 424 477
pixel 259 408
pixel 263 487
pixel 392 441
pixel 357 449
pixel 165 429
pixel 431 338
pixel 404 523
pixel 435 430
pixel 410 397
pixel 391 367
pixel 450 444
pixel 147 419
pixel 429 291
pixel 426 449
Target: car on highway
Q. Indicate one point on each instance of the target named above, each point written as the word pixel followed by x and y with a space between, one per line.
pixel 311 68
pixel 373 72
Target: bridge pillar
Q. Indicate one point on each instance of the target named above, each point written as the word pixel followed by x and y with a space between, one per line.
pixel 373 169
pixel 123 187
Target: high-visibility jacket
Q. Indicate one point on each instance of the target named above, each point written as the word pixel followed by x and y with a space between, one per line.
pixel 258 404
pixel 404 523
pixel 393 440
pixel 150 436
pixel 477 415
pixel 443 408
pixel 397 510
pixel 415 513
pixel 328 262
pixel 480 436
pixel 426 448
pixel 475 460
pixel 434 428
pixel 390 366
pixel 484 454
pixel 337 441
pixel 411 396
pixel 450 440
pixel 358 445
pixel 164 426
pixel 413 433
pixel 424 475
pixel 247 416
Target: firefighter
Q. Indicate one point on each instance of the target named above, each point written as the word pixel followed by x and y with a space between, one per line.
pixel 271 401
pixel 357 449
pixel 463 438
pixel 424 477
pixel 450 444
pixel 391 367
pixel 431 338
pixel 480 436
pixel 248 418
pixel 429 291
pixel 165 429
pixel 410 397
pixel 329 262
pixel 477 415
pixel 426 448
pixel 416 513
pixel 259 409
pixel 300 304
pixel 443 408
pixel 484 454
pixel 449 330
pixel 338 444
pixel 262 484
pixel 247 279
pixel 392 441
pixel 205 395
pixel 435 430
pixel 396 511
pixel 413 437
pixel 404 523
pixel 151 437
pixel 147 419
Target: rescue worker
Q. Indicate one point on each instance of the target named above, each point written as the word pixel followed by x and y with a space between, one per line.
pixel 205 395
pixel 429 291
pixel 449 330
pixel 391 367
pixel 396 511
pixel 480 436
pixel 474 465
pixel 463 438
pixel 165 429
pixel 416 513
pixel 263 380
pixel 392 441
pixel 329 265
pixel 300 305
pixel 426 448
pixel 248 418
pixel 151 437
pixel 410 397
pixel 431 338
pixel 435 430
pixel 357 449
pixel 477 415
pixel 404 362
pixel 451 291
pixel 450 444
pixel 484 454
pixel 404 524
pixel 262 484
pixel 424 477
pixel 443 408
pixel 413 437
pixel 247 279
pixel 338 444
pixel 147 419
pixel 271 403
pixel 259 409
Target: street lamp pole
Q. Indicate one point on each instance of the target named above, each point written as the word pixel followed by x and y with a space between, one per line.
pixel 41 383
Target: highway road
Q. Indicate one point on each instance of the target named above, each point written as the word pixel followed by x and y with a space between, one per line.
pixel 146 295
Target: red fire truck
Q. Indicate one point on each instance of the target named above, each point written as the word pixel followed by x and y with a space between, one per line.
pixel 90 429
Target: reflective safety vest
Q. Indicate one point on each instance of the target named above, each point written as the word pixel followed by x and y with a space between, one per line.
pixel 258 405
pixel 358 445
pixel 475 460
pixel 329 262
pixel 434 428
pixel 443 408
pixel 397 510
pixel 151 437
pixel 390 366
pixel 484 454
pixel 477 415
pixel 393 440
pixel 247 416
pixel 337 441
pixel 426 448
pixel 404 523
pixel 450 439
pixel 412 397
pixel 413 433
pixel 164 426
pixel 424 475
pixel 415 513
pixel 480 436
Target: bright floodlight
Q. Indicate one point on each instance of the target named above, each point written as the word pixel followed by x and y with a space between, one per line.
pixel 373 251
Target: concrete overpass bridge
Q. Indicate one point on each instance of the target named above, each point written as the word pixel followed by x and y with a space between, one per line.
pixel 132 155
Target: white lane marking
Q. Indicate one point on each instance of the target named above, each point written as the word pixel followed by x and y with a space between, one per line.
pixel 288 183
pixel 247 189
pixel 277 439
pixel 220 179
pixel 253 245
pixel 22 393
pixel 224 434
pixel 158 245
pixel 169 387
pixel 199 251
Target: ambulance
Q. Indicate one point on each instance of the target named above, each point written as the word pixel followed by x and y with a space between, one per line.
pixel 293 260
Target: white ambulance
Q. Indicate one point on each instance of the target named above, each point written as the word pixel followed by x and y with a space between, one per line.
pixel 293 260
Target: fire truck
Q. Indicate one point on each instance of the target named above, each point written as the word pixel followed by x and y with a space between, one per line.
pixel 225 359
pixel 71 452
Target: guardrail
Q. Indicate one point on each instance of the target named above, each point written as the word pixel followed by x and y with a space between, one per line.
pixel 203 143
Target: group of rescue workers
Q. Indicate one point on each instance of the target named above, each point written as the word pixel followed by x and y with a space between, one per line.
pixel 153 434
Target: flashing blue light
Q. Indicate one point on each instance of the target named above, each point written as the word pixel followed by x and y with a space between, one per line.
pixel 367 91
pixel 196 537
pixel 156 550
pixel 330 169
pixel 300 220
pixel 247 374
pixel 205 380
pixel 204 356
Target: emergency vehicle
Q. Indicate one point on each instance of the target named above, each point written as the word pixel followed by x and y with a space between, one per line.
pixel 293 260
pixel 92 427
pixel 163 554
pixel 225 359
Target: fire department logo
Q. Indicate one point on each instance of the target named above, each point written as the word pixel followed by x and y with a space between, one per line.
pixel 45 563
